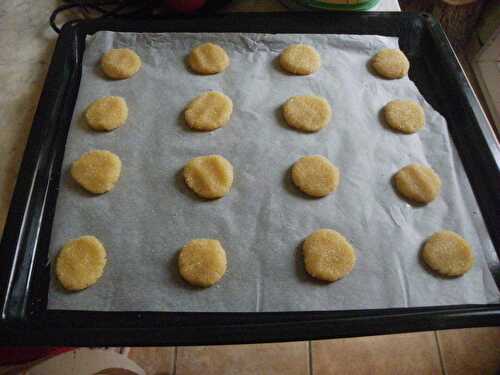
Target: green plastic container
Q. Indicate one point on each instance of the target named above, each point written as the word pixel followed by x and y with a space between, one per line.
pixel 347 5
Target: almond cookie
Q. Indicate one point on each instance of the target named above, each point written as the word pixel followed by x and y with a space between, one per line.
pixel 97 171
pixel 107 113
pixel 202 262
pixel 406 116
pixel 209 176
pixel 418 183
pixel 391 63
pixel 208 58
pixel 328 256
pixel 80 263
pixel 448 254
pixel 307 113
pixel 315 175
pixel 300 59
pixel 120 63
pixel 209 111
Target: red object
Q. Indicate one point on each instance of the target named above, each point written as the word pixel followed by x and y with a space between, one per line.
pixel 18 355
pixel 184 6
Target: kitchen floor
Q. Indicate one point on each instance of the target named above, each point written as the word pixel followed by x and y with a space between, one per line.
pixel 465 351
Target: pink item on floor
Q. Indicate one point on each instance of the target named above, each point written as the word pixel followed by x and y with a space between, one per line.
pixel 17 355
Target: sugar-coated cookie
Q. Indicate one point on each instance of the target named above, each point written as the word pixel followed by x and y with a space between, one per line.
pixel 80 263
pixel 315 175
pixel 300 59
pixel 418 183
pixel 209 111
pixel 209 176
pixel 328 256
pixel 202 262
pixel 208 58
pixel 406 116
pixel 391 63
pixel 107 113
pixel 120 63
pixel 307 113
pixel 448 254
pixel 97 171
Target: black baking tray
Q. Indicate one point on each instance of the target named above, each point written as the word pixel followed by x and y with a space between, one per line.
pixel 24 265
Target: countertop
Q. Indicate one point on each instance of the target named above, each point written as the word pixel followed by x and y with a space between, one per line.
pixel 26 45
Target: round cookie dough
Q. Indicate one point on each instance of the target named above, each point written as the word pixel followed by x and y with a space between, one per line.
pixel 209 111
pixel 107 113
pixel 406 116
pixel 448 254
pixel 202 262
pixel 80 263
pixel 418 183
pixel 120 63
pixel 300 59
pixel 208 58
pixel 308 113
pixel 97 171
pixel 390 63
pixel 315 175
pixel 209 176
pixel 328 256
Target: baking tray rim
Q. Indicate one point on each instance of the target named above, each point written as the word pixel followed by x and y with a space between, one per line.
pixel 34 326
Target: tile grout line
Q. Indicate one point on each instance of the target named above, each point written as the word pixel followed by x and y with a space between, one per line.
pixel 441 358
pixel 309 350
pixel 174 364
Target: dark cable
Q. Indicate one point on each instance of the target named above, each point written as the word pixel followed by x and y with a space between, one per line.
pixel 122 9
pixel 59 9
pixel 104 8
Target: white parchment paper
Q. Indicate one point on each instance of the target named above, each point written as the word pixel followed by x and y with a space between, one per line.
pixel 150 214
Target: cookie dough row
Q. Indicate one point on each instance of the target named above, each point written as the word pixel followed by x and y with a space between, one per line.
pixel 210 58
pixel 328 256
pixel 212 110
pixel 212 176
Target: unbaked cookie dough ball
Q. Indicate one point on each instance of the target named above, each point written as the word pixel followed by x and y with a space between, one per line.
pixel 209 176
pixel 328 256
pixel 209 111
pixel 97 171
pixel 120 63
pixel 107 113
pixel 208 58
pixel 307 113
pixel 406 116
pixel 202 262
pixel 315 175
pixel 418 183
pixel 300 59
pixel 80 263
pixel 448 254
pixel 391 63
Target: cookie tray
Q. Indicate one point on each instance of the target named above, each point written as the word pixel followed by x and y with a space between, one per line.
pixel 24 267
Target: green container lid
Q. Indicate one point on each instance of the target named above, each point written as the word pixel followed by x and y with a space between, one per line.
pixel 360 5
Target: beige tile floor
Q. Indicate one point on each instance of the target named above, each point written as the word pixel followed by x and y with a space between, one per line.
pixel 462 352
pixel 465 351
